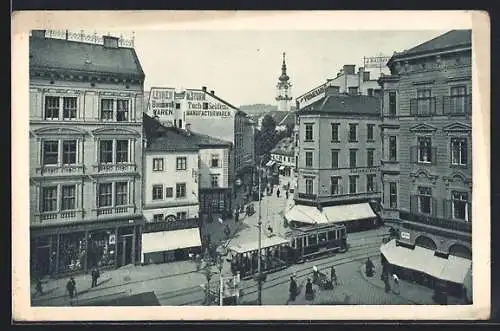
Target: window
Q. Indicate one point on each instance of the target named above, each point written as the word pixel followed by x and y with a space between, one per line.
pixel 309 159
pixel 392 148
pixel 369 157
pixel 458 100
pixel 158 217
pixel 69 108
pixel 353 132
pixel 424 102
pixel 157 192
pixel 369 131
pixel 121 110
pixel 460 205
pixel 424 200
pixel 51 108
pixel 309 132
pixel 182 215
pixel 335 158
pixel 370 183
pixel 180 123
pixel 69 152
pixel 424 150
pixel 393 195
pixel 49 198
pixel 169 192
pixel 107 109
pixel 205 105
pixel 459 151
pixel 215 161
pixel 335 132
pixel 181 163
pixel 50 152
pixel 68 197
pixel 392 103
pixel 353 90
pixel 106 151
pixel 312 240
pixel 180 190
pixel 121 151
pixel 214 180
pixel 121 193
pixel 335 185
pixel 352 157
pixel 105 195
pixel 158 164
pixel 309 186
pixel 353 183
pixel 177 106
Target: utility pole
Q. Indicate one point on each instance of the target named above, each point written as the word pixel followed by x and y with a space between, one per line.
pixel 259 275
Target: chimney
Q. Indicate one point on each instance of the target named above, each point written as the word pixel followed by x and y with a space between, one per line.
pixel 110 41
pixel 38 34
pixel 349 69
pixel 204 88
pixel 332 90
pixel 212 92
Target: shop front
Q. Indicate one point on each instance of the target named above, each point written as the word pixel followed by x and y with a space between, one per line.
pixel 215 202
pixel 59 250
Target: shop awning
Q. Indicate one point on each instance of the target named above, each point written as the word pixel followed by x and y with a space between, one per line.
pixel 305 214
pixel 253 246
pixel 346 213
pixel 282 167
pixel 270 163
pixel 454 269
pixel 170 240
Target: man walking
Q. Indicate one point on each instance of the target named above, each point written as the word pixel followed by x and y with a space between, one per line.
pixel 292 290
pixel 278 192
pixel 71 288
pixel 95 276
pixel 286 194
pixel 333 276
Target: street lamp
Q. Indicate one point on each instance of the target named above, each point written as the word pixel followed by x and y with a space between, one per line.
pixel 259 266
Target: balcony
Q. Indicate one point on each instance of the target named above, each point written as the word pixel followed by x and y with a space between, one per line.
pixel 457 105
pixel 423 107
pixel 116 210
pixel 59 170
pixel 455 225
pixel 115 167
pixel 61 215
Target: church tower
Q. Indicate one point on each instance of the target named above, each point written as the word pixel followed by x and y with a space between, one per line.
pixel 284 91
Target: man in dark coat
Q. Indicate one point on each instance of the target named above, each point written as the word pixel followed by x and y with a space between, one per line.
pixel 278 193
pixel 95 276
pixel 71 288
pixel 309 290
pixel 293 289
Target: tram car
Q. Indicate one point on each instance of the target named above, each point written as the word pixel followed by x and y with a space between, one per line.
pixel 310 242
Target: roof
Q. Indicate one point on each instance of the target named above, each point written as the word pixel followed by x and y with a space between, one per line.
pixel 49 53
pixel 345 105
pixel 172 139
pixel 451 39
pixel 289 119
pixel 285 146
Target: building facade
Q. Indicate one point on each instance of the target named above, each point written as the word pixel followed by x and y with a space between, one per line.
pixel 339 154
pixel 284 156
pixel 85 153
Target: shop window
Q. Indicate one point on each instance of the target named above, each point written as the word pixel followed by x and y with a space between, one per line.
pixel 72 252
pixel 169 192
pixel 121 193
pixel 180 190
pixel 101 248
pixel 105 195
pixel 157 192
pixel 49 198
pixel 50 152
pixel 158 164
pixel 68 197
pixel 181 163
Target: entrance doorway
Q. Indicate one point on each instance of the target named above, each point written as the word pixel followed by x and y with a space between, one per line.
pixel 125 250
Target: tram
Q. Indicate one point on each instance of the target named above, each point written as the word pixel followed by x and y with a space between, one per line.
pixel 309 242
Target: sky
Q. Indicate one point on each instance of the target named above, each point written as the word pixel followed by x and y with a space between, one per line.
pixel 243 67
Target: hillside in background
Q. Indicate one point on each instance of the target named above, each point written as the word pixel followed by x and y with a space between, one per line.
pixel 259 109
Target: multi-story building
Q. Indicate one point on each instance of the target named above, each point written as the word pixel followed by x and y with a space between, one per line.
pixel 284 156
pixel 339 155
pixel 85 152
pixel 427 163
pixel 208 114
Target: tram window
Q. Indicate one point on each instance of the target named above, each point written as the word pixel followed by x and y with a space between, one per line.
pixel 331 235
pixel 322 236
pixel 312 240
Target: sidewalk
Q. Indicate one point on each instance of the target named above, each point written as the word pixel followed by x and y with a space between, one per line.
pixel 413 292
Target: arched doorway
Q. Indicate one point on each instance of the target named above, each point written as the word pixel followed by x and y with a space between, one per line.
pixel 460 251
pixel 425 242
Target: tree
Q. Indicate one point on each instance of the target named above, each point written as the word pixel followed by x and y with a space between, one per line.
pixel 265 138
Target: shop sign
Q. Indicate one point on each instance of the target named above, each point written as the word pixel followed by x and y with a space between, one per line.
pixel 112 239
pixel 405 235
pixel 161 101
pixel 376 61
pixel 364 170
pixel 311 96
pixel 171 226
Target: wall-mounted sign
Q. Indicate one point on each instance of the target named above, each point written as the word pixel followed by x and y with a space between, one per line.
pixel 405 235
pixel 364 170
pixel 311 96
pixel 161 101
pixel 376 61
pixel 112 239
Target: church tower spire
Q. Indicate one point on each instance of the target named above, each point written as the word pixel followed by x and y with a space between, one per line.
pixel 284 92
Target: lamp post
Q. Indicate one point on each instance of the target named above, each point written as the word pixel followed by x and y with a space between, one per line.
pixel 259 266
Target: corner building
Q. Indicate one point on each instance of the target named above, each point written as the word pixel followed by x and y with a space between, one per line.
pixel 85 152
pixel 427 159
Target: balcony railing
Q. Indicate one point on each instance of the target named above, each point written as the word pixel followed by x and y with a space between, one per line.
pixel 457 105
pixel 115 167
pixel 58 215
pixel 455 225
pixel 428 156
pixel 423 107
pixel 128 209
pixel 59 170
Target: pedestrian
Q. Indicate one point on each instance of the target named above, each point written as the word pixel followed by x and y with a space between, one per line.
pixel 71 288
pixel 309 290
pixel 95 276
pixel 286 194
pixel 38 286
pixel 292 290
pixel 396 283
pixel 369 268
pixel 227 231
pixel 278 192
pixel 387 285
pixel 333 276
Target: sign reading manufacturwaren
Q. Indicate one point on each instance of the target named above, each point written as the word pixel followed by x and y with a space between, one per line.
pixel 376 61
pixel 311 96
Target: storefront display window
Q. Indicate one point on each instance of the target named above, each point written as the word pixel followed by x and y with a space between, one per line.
pixel 72 252
pixel 102 247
